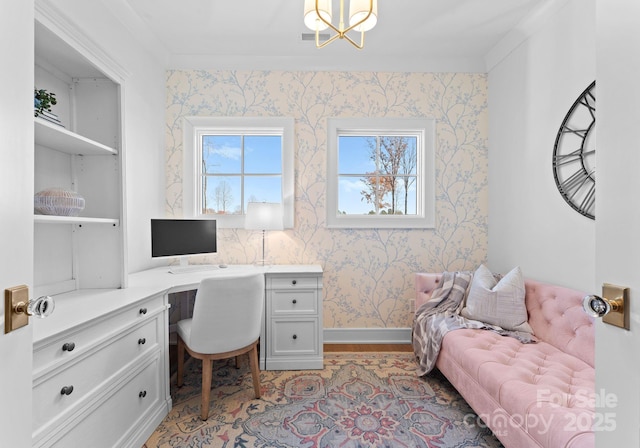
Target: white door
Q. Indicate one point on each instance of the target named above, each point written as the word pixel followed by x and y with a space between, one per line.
pixel 16 213
pixel 618 217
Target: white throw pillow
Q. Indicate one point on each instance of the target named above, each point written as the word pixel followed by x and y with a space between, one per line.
pixel 498 303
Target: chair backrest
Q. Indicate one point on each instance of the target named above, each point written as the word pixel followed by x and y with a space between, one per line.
pixel 227 313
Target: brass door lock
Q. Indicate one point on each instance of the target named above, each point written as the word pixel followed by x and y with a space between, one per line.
pixel 18 307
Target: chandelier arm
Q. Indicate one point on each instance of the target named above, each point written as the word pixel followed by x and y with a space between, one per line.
pixel 323 20
pixel 360 22
pixel 326 42
pixel 355 44
pixel 341 33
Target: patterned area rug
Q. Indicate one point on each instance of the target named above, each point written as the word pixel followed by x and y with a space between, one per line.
pixel 356 401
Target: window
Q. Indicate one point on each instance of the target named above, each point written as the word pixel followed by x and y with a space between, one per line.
pixel 230 162
pixel 380 173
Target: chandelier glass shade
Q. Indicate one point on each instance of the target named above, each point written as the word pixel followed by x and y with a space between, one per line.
pixel 363 16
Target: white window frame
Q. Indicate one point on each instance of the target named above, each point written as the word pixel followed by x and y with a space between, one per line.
pixel 195 127
pixel 424 130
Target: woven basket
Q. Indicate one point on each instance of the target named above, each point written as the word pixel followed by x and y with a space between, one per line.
pixel 58 201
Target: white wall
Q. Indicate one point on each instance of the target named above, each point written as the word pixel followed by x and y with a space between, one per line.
pixel 144 110
pixel 617 241
pixel 530 91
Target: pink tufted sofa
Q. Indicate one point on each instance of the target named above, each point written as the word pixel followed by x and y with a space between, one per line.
pixel 529 395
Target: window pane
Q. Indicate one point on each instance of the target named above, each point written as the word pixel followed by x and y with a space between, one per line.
pixel 221 154
pixel 351 199
pixel 262 189
pixel 356 155
pixel 394 202
pixel 221 194
pixel 402 151
pixel 263 154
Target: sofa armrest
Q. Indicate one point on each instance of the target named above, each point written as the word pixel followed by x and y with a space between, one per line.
pixel 425 283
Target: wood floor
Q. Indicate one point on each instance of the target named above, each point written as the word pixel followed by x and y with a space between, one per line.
pixel 358 348
pixel 368 348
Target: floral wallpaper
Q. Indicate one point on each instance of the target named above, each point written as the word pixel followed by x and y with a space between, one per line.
pixel 368 273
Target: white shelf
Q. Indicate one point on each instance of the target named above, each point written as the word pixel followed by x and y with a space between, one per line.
pixel 51 219
pixel 58 138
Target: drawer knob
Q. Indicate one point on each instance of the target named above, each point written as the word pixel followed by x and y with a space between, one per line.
pixel 143 311
pixel 142 341
pixel 142 394
pixel 294 301
pixel 66 390
pixel 68 346
pixel 295 336
pixel 293 282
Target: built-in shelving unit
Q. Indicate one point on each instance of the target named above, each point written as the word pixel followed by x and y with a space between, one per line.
pixel 60 139
pixel 82 153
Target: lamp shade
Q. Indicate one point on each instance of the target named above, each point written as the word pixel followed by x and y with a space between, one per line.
pixel 311 19
pixel 358 10
pixel 263 216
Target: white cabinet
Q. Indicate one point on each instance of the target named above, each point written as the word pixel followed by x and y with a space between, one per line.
pixel 100 360
pixel 84 154
pixel 103 376
pixel 293 321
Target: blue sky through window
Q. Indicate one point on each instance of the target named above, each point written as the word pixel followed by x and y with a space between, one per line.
pixel 238 169
pixel 355 164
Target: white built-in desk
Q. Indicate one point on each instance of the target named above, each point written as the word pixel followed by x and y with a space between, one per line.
pixel 291 337
pixel 101 364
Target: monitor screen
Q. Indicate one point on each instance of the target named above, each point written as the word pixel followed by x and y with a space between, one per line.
pixel 176 237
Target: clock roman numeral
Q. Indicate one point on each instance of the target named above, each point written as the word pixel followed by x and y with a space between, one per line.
pixel 564 159
pixel 587 101
pixel 589 200
pixel 582 133
pixel 574 183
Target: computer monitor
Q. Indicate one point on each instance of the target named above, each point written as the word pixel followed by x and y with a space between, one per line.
pixel 182 237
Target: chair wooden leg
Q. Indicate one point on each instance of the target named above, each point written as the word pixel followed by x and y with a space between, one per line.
pixel 237 362
pixel 180 350
pixel 255 371
pixel 206 387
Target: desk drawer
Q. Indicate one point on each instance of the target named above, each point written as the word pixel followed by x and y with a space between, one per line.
pixel 89 372
pixel 128 407
pixel 292 282
pixel 294 337
pixel 75 342
pixel 294 301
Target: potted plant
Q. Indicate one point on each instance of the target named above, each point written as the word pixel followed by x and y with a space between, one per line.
pixel 43 101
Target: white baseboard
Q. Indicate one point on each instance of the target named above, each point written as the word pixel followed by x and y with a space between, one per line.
pixel 367 335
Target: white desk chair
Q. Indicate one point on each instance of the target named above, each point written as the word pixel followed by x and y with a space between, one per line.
pixel 227 314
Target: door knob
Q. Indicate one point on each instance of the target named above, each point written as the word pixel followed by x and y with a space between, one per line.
pixel 18 307
pixel 612 307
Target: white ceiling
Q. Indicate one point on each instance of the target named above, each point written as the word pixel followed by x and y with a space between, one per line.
pixel 411 35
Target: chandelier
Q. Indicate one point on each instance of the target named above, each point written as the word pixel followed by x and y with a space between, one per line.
pixel 363 16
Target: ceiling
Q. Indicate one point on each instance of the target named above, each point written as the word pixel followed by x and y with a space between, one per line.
pixel 411 35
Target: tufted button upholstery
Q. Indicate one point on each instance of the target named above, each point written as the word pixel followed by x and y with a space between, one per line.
pixel 530 395
pixel 547 392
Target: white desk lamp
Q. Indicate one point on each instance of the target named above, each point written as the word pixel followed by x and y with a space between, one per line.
pixel 263 216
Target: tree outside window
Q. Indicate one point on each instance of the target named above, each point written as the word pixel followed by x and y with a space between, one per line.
pixel 380 173
pixel 237 169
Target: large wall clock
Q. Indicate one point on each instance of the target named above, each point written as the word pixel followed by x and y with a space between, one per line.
pixel 574 153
